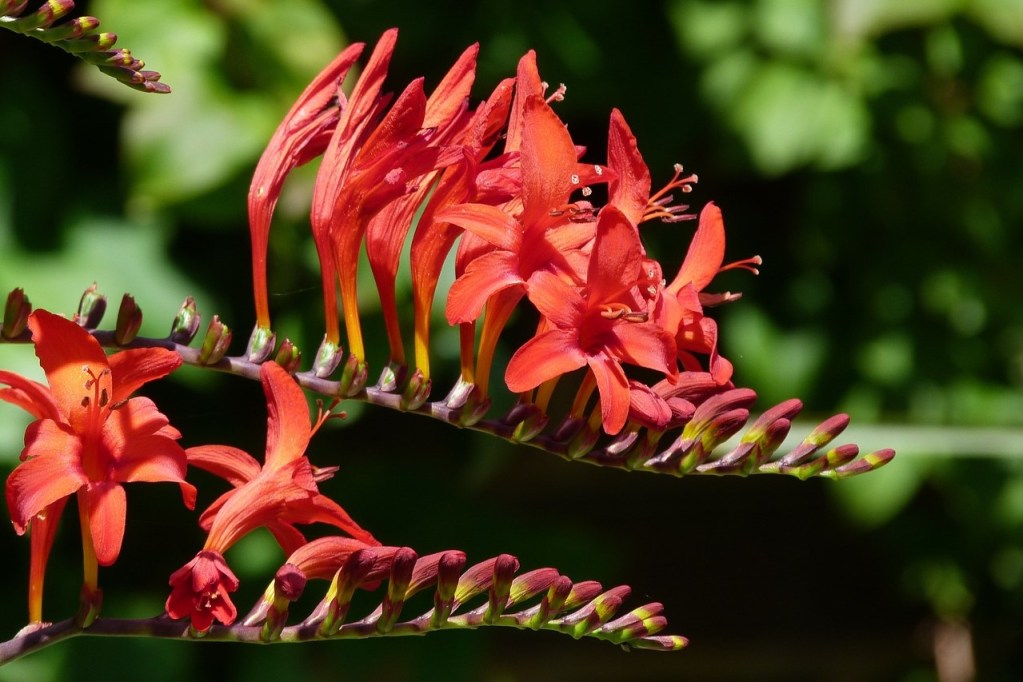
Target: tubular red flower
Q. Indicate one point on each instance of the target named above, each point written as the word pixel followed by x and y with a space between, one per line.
pixel 300 137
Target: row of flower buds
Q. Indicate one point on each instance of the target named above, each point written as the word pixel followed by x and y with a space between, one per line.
pixel 706 419
pixel 577 609
pixel 79 37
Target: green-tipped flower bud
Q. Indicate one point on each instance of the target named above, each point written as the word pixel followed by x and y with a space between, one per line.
pixel 261 344
pixel 16 314
pixel 598 611
pixel 328 357
pixel 342 587
pixel 75 28
pixel 416 392
pixel 497 600
pixel 353 377
pixel 50 12
pixel 186 323
pixel 129 321
pixel 289 356
pixel 288 585
pixel 392 377
pixel 91 308
pixel 215 343
pixel 528 585
pixel 552 603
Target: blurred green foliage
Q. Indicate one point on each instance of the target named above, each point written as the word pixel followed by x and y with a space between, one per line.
pixel 869 150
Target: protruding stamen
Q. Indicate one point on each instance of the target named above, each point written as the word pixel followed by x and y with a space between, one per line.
pixel 659 204
pixel 745 264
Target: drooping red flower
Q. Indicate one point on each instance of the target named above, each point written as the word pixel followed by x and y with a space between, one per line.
pixel 201 589
pixel 600 326
pixel 89 438
pixel 277 495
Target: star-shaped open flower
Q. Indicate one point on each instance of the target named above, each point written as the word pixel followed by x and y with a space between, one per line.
pixel 89 438
pixel 601 326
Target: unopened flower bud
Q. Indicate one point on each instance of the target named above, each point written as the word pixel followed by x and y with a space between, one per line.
pixel 417 391
pixel 91 308
pixel 16 314
pixel 215 343
pixel 261 344
pixel 186 323
pixel 289 356
pixel 328 357
pixel 129 321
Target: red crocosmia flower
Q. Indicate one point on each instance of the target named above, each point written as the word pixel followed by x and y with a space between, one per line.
pixel 683 300
pixel 301 137
pixel 373 158
pixel 629 180
pixel 200 591
pixel 600 327
pixel 277 495
pixel 89 437
pixel 448 115
pixel 533 241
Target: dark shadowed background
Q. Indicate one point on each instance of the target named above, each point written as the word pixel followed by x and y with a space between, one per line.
pixel 868 150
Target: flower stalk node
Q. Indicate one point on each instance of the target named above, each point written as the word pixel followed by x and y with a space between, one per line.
pixel 354 375
pixel 90 603
pixel 392 377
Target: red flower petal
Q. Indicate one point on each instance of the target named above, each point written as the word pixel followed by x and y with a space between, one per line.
pixel 131 369
pixel 544 357
pixel 51 471
pixel 613 387
pixel 488 222
pixel 548 162
pixel 558 301
pixel 71 358
pixel 231 464
pixel 706 252
pixel 485 276
pixel 288 428
pixel 616 258
pixel 629 187
pixel 31 396
pixel 105 503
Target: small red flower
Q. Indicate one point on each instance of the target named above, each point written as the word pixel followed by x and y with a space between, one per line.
pixel 200 591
